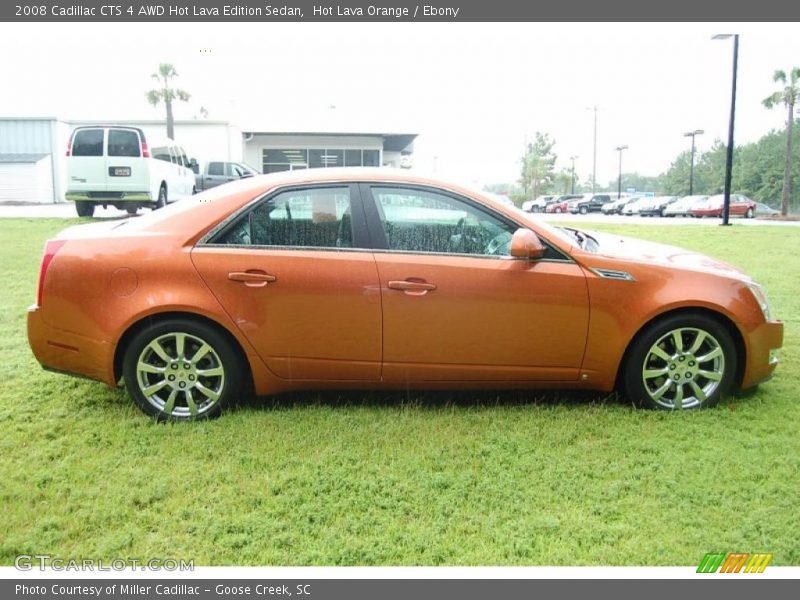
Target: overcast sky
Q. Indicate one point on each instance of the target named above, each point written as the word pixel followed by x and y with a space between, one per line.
pixel 473 92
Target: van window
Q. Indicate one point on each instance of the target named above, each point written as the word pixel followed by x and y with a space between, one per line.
pixel 123 142
pixel 88 142
pixel 161 153
pixel 215 168
pixel 183 160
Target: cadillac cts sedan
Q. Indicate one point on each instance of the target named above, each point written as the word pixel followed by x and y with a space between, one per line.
pixel 376 279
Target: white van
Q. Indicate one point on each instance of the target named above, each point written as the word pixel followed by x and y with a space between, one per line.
pixel 114 166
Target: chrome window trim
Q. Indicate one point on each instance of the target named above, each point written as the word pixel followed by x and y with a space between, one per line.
pixel 205 243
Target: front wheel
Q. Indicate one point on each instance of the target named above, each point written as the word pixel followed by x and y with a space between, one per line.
pixel 583 210
pixel 180 370
pixel 681 362
pixel 84 209
pixel 558 210
pixel 750 213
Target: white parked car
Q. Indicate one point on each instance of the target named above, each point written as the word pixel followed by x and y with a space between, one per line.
pixel 684 206
pixel 537 205
pixel 633 208
pixel 115 166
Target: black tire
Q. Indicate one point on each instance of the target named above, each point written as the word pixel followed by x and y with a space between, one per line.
pixel 750 213
pixel 535 209
pixel 583 210
pixel 162 197
pixel 132 210
pixel 687 371
pixel 84 209
pixel 223 360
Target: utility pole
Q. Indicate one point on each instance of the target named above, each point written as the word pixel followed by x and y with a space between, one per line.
pixel 726 208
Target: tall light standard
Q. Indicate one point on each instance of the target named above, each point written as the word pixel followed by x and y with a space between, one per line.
pixel 594 151
pixel 691 162
pixel 619 181
pixel 572 158
pixel 726 210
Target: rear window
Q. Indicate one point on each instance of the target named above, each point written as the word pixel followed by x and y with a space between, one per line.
pixel 88 142
pixel 123 142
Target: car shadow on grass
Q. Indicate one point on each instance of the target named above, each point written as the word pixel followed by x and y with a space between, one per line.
pixel 431 399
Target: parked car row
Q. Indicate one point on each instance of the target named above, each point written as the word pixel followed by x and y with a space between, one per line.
pixel 647 206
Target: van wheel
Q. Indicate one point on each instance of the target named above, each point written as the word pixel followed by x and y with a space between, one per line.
pixel 686 361
pixel 162 197
pixel 84 209
pixel 132 210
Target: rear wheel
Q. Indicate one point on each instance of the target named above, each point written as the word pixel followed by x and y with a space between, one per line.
pixel 180 370
pixel 132 210
pixel 557 210
pixel 162 197
pixel 84 209
pixel 682 362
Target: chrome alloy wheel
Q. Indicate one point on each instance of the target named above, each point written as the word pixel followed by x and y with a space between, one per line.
pixel 683 368
pixel 180 374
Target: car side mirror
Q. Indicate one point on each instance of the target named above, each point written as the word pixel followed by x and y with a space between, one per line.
pixel 526 244
pixel 245 175
pixel 194 166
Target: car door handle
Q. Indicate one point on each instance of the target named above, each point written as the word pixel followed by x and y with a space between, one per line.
pixel 252 278
pixel 412 287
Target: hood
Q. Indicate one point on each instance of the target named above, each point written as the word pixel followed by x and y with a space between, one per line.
pixel 633 249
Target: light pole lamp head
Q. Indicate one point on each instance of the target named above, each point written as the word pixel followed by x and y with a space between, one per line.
pixel 693 133
pixel 722 36
pixel 620 148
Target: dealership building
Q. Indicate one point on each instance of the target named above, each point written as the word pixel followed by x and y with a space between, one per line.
pixel 33 165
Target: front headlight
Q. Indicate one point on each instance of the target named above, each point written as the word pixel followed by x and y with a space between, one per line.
pixel 761 299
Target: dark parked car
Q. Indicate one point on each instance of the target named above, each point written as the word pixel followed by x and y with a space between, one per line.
pixel 658 206
pixel 589 203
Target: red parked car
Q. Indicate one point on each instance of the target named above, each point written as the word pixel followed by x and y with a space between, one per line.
pixel 559 205
pixel 741 206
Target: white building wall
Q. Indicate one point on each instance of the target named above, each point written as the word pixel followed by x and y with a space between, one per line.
pixel 27 182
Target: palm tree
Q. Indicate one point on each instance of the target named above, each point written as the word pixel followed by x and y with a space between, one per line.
pixel 166 93
pixel 787 96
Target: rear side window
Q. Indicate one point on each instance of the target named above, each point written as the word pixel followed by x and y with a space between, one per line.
pixel 215 168
pixel 123 142
pixel 88 142
pixel 315 218
pixel 161 153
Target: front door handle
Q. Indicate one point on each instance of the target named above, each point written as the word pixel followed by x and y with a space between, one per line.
pixel 252 278
pixel 412 287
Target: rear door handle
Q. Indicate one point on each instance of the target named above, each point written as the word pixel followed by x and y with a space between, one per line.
pixel 252 278
pixel 412 287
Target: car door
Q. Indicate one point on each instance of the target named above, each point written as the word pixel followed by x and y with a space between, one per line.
pixel 295 274
pixel 456 306
pixel 126 169
pixel 215 174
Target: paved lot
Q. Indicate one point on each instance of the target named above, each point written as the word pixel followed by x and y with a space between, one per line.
pixel 67 210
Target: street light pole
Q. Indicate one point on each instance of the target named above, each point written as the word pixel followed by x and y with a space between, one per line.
pixel 594 151
pixel 619 181
pixel 572 158
pixel 726 209
pixel 691 163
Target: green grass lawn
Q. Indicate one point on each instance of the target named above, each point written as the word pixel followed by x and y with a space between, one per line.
pixel 412 479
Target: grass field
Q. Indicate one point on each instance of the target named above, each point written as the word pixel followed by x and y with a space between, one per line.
pixel 412 479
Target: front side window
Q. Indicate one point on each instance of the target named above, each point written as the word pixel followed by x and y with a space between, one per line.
pixel 425 221
pixel 88 142
pixel 123 142
pixel 311 218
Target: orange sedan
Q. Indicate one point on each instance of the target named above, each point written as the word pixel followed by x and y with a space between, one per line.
pixel 374 279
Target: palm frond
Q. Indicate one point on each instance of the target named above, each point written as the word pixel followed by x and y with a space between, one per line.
pixel 779 76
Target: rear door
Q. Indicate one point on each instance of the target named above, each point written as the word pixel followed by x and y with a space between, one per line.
pixel 126 169
pixel 215 174
pixel 296 275
pixel 87 162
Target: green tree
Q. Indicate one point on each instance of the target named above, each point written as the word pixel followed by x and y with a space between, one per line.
pixel 166 93
pixel 538 166
pixel 786 96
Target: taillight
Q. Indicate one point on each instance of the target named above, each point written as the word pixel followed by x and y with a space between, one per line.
pixel 145 150
pixel 69 147
pixel 50 249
